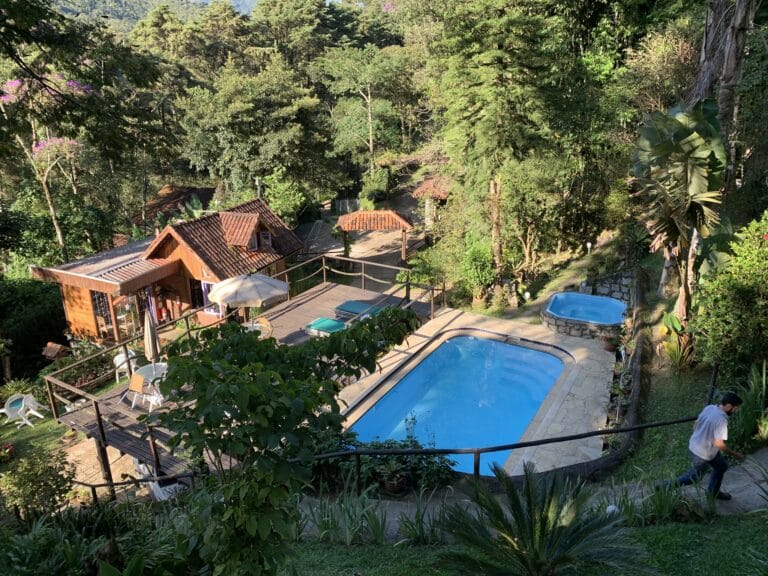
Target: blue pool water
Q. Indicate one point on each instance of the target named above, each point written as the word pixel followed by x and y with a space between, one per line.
pixel 468 393
pixel 587 308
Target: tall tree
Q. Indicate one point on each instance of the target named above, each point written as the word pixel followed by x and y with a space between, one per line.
pixel 362 77
pixel 294 28
pixel 92 93
pixel 250 125
pixel 494 54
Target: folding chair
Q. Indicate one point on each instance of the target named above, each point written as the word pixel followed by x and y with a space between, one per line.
pixel 136 385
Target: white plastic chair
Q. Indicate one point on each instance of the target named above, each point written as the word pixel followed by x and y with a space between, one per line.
pixel 121 364
pixel 20 407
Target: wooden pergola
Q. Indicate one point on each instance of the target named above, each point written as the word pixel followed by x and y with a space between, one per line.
pixel 374 220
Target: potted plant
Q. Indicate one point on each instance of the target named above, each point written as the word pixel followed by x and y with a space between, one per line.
pixel 611 343
pixel 393 476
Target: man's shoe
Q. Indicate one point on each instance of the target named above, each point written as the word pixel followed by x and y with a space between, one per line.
pixel 723 495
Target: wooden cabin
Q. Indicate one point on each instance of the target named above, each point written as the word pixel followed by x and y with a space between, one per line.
pixel 105 295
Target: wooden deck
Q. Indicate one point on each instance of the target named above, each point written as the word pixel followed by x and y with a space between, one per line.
pixel 290 318
pixel 124 432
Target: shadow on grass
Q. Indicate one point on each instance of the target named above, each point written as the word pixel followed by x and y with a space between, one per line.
pixel 44 434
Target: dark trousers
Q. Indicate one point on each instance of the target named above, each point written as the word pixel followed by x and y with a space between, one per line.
pixel 699 467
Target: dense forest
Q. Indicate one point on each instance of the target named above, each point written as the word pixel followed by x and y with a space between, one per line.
pixel 545 118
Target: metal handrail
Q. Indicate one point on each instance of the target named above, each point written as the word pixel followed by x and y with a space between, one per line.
pixel 357 454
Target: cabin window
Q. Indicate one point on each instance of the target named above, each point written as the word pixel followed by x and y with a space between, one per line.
pixel 265 239
pixel 101 308
pixel 199 291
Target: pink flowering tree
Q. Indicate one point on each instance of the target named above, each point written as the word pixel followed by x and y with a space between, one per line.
pixel 23 98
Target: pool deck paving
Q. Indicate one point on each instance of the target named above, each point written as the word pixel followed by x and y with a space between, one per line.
pixel 577 402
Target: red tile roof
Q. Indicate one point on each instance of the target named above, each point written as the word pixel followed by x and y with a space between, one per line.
pixel 206 237
pixel 239 228
pixel 373 220
pixel 438 188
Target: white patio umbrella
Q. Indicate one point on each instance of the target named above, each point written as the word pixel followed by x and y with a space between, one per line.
pixel 151 342
pixel 249 290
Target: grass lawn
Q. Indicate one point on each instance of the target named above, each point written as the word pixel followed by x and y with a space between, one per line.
pixel 314 558
pixel 45 433
pixel 664 451
pixel 720 546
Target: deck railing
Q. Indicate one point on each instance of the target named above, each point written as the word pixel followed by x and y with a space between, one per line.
pixel 57 388
pixel 406 287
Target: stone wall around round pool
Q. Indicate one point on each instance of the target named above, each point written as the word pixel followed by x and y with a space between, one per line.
pixel 580 328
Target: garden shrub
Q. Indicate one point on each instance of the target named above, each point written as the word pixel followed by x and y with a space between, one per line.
pixel 38 484
pixel 731 325
pixel 378 186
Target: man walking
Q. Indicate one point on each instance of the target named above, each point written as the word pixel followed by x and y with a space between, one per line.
pixel 707 445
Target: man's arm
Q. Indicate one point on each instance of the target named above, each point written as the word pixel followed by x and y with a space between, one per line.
pixel 723 447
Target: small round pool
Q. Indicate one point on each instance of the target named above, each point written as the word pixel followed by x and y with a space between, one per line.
pixel 584 315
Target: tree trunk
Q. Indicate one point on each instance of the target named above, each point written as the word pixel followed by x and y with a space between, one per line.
pixel 711 57
pixel 733 57
pixel 668 277
pixel 54 219
pixel 683 302
pixel 6 362
pixel 494 197
pixel 693 252
pixel 371 147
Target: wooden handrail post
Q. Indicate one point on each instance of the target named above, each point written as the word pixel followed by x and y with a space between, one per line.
pixel 445 302
pixel 127 360
pixel 408 287
pixel 325 271
pixel 99 422
pixel 362 277
pixel 94 496
pixel 51 399
pixel 186 326
pixel 476 470
pixel 101 450
pixel 153 450
pixel 431 302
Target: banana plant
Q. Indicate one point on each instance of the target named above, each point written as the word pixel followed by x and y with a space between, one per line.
pixel 678 163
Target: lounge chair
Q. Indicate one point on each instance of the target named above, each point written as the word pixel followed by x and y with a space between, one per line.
pixel 351 308
pixel 324 326
pixel 136 386
pixel 20 407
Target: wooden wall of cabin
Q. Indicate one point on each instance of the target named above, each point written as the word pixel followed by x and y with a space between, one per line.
pixel 78 308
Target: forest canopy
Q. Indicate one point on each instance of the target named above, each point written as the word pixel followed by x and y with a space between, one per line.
pixel 531 108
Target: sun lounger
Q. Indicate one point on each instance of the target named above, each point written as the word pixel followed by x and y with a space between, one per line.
pixel 352 308
pixel 324 326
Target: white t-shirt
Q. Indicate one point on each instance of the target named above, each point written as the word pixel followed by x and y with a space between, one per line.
pixel 711 425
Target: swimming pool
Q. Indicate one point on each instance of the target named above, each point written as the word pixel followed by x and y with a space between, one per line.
pixel 584 315
pixel 587 308
pixel 469 392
